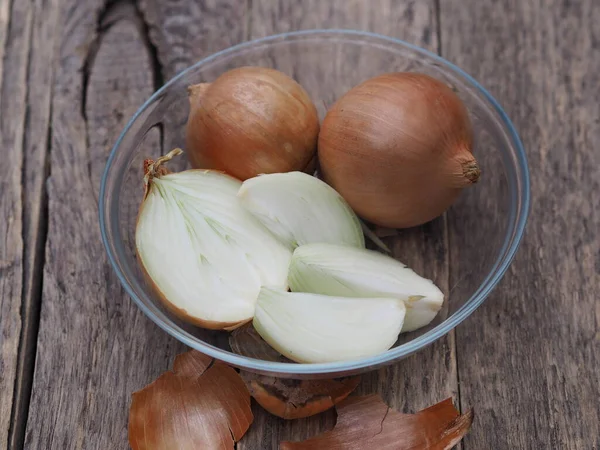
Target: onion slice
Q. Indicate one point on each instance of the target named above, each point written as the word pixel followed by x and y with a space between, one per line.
pixel 311 328
pixel 200 404
pixel 368 423
pixel 352 272
pixel 204 254
pixel 301 209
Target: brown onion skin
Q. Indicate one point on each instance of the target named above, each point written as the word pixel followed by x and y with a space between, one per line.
pixel 297 399
pixel 249 121
pixel 398 149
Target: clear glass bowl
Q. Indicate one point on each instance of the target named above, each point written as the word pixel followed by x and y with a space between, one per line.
pixel 327 63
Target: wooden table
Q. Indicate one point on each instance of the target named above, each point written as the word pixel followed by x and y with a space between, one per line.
pixel 74 347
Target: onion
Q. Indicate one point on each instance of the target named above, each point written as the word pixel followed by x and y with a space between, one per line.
pixel 311 328
pixel 249 121
pixel 301 209
pixel 354 272
pixel 398 149
pixel 203 253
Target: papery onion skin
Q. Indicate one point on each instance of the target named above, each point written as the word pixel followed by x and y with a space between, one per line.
pixel 368 423
pixel 200 404
pixel 249 121
pixel 398 149
pixel 296 399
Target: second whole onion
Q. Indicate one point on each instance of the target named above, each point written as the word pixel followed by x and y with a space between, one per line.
pixel 398 149
pixel 250 121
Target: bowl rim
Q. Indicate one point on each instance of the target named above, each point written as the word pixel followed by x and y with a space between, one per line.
pixel 507 252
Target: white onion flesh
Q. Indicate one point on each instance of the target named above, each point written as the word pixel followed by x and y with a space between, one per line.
pixel 352 272
pixel 205 253
pixel 301 209
pixel 312 328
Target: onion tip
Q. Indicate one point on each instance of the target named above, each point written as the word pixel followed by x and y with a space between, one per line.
pixel 471 171
pixel 155 168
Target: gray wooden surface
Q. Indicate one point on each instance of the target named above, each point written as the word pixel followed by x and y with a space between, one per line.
pixel 74 346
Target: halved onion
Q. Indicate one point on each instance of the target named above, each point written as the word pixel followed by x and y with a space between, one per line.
pixel 206 256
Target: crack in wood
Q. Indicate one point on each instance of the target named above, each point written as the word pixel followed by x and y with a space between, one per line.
pixel 112 13
pixel 19 37
pixel 152 49
pixel 438 26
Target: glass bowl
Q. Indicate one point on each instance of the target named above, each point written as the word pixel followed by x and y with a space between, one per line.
pixel 466 252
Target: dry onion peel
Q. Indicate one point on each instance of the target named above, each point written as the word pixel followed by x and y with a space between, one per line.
pixel 247 342
pixel 311 328
pixel 252 120
pixel 352 272
pixel 368 423
pixel 398 148
pixel 301 209
pixel 204 254
pixel 200 404
pixel 295 399
pixel 286 398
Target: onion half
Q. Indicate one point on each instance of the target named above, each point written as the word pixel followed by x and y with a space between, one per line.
pixel 204 254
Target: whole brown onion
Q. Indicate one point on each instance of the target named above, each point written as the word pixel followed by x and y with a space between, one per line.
pixel 398 148
pixel 249 121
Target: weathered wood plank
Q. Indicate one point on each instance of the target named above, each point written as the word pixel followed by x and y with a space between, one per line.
pixel 94 347
pixel 4 27
pixel 410 20
pixel 41 61
pixel 429 376
pixel 186 31
pixel 183 32
pixel 530 357
pixel 15 27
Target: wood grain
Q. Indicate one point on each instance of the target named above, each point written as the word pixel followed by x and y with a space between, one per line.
pixel 411 20
pixel 429 376
pixel 73 71
pixel 15 23
pixel 94 346
pixel 529 358
pixel 40 73
pixel 184 32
